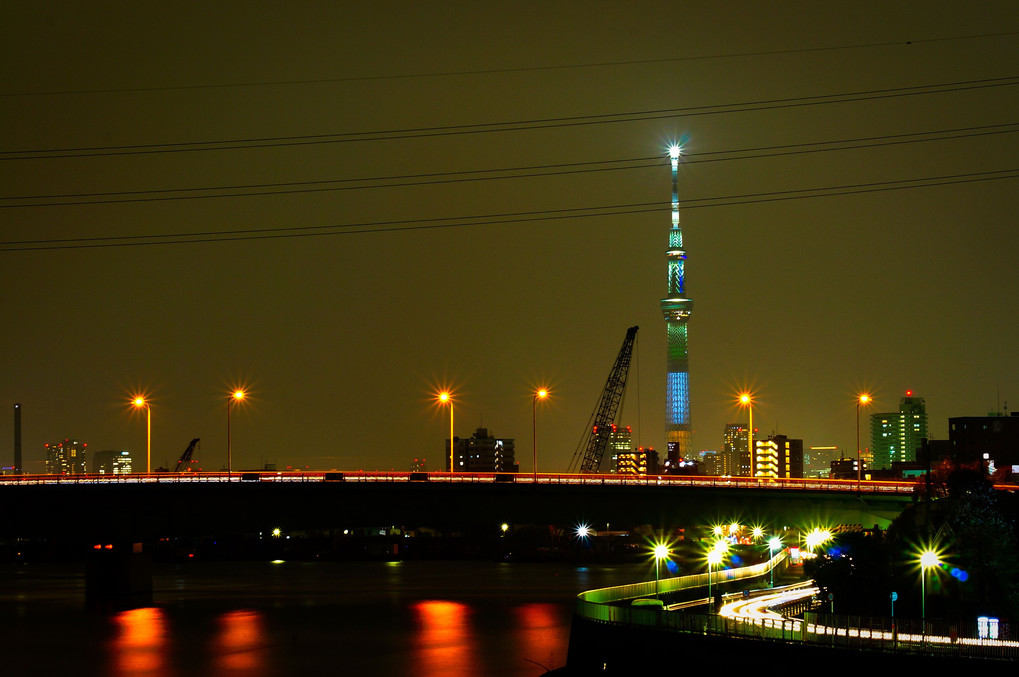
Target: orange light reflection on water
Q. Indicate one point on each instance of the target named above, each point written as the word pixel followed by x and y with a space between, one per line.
pixel 543 639
pixel 240 647
pixel 140 646
pixel 445 643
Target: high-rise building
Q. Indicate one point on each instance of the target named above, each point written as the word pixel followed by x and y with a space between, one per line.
pixel 992 440
pixel 482 453
pixel 817 460
pixel 112 462
pixel 620 444
pixel 896 436
pixel 711 463
pixel 676 308
pixel 778 457
pixel 735 456
pixel 65 458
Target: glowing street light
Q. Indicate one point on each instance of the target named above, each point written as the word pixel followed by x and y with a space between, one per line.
pixel 715 556
pixel 237 396
pixel 446 397
pixel 138 402
pixel 928 559
pixel 774 543
pixel 862 400
pixel 540 394
pixel 660 551
pixel 817 537
pixel 746 399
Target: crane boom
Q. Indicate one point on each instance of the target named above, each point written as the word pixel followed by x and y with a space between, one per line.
pixel 596 439
pixel 185 458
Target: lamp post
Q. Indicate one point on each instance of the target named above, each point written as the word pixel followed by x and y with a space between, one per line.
pixel 445 397
pixel 140 402
pixel 714 558
pixel 661 551
pixel 928 559
pixel 540 394
pixel 774 543
pixel 747 400
pixel 863 399
pixel 236 396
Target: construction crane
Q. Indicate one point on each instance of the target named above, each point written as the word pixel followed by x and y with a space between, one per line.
pixel 185 458
pixel 603 418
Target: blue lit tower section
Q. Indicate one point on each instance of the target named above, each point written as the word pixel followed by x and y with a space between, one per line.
pixel 676 308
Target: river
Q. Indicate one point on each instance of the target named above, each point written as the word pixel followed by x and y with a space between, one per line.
pixel 261 619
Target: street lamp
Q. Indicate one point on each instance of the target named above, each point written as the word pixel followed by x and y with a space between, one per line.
pixel 928 559
pixel 714 559
pixel 236 396
pixel 140 402
pixel 774 543
pixel 539 394
pixel 746 399
pixel 661 551
pixel 863 399
pixel 816 538
pixel 446 397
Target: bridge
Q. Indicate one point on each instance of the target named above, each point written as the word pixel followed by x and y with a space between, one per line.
pixel 195 505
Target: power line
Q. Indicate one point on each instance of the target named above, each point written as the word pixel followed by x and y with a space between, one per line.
pixel 497 219
pixel 518 69
pixel 506 126
pixel 466 176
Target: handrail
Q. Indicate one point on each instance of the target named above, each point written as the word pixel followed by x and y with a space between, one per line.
pixel 884 635
pixel 559 479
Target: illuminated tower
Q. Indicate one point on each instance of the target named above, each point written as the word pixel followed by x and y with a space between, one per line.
pixel 676 308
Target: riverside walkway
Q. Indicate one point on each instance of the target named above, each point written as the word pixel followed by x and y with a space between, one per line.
pixel 765 617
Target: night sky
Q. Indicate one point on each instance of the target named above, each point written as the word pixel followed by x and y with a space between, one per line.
pixel 343 330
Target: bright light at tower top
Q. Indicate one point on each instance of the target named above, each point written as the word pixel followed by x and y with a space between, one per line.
pixel 674 151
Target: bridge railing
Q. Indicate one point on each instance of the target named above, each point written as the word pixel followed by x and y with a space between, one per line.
pixel 559 479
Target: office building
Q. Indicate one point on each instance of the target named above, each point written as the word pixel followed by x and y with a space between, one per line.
pixel 65 458
pixel 629 461
pixel 778 457
pixel 993 440
pixel 112 462
pixel 735 457
pixel 482 453
pixel 896 436
pixel 817 460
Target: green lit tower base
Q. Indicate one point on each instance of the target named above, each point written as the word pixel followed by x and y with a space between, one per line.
pixel 676 308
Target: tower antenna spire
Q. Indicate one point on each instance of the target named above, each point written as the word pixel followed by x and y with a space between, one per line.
pixel 676 308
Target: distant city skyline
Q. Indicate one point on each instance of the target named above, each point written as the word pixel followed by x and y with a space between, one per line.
pixel 344 208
